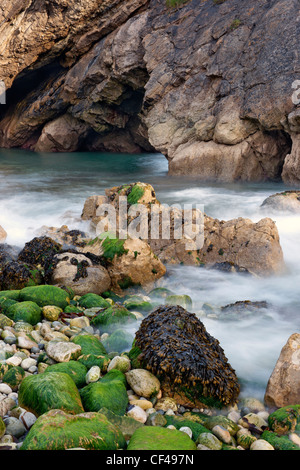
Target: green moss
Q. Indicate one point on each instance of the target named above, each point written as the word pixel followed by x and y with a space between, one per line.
pixel 126 283
pixel 235 24
pixel 57 430
pixel 157 438
pixel 90 345
pixel 126 424
pixel 10 294
pixel 112 248
pixel 183 300
pixel 179 421
pixel 133 355
pixel 279 442
pixel 14 377
pixel 26 311
pixel 284 420
pixel 90 360
pixel 93 300
pixel 135 194
pixel 112 317
pixel 45 295
pixel 54 390
pixel 76 370
pixel 109 392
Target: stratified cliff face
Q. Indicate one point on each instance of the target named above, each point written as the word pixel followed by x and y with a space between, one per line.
pixel 209 84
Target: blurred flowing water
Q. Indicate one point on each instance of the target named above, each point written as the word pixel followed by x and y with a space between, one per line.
pixel 50 190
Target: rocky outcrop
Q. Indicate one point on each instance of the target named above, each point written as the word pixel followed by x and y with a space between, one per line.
pixel 283 385
pixel 212 85
pixel 245 245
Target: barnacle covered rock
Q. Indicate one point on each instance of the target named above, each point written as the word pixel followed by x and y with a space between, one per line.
pixel 190 364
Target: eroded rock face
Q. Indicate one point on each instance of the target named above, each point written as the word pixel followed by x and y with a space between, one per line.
pixel 283 385
pixel 208 84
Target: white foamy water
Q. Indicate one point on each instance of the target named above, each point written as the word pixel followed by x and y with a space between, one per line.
pixel 38 190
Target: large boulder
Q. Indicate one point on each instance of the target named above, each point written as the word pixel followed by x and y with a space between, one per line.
pixel 77 272
pixel 191 366
pixel 283 385
pixel 45 295
pixel 59 430
pixel 54 390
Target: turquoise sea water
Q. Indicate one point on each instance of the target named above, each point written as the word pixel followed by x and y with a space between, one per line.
pixel 37 190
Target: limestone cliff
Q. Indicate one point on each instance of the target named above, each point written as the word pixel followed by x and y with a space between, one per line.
pixel 212 84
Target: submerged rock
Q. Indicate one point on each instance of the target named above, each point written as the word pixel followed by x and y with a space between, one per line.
pixel 190 364
pixel 286 202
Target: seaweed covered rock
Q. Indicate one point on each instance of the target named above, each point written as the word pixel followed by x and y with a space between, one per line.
pixel 91 300
pixel 54 390
pixel 28 312
pixel 89 345
pixel 45 295
pixel 190 364
pixel 57 430
pixel 17 275
pixel 157 438
pixel 39 251
pixel 112 317
pixel 74 369
pixel 109 392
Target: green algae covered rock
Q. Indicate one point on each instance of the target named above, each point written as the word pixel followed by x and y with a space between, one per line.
pixel 284 420
pixel 112 317
pixel 223 421
pixel 91 360
pixel 76 370
pixel 57 430
pixel 54 390
pixel 118 341
pixel 10 294
pixel 180 421
pixel 157 438
pixel 279 442
pixel 45 295
pixel 126 424
pixel 6 303
pixel 139 303
pixel 109 392
pixel 89 345
pixel 13 377
pixel 26 311
pixel 3 369
pixel 93 300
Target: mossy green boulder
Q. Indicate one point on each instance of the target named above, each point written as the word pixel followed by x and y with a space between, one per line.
pixel 45 295
pixel 89 345
pixel 90 360
pixel 26 311
pixel 112 317
pixel 109 392
pixel 285 419
pixel 57 430
pixel 141 304
pixel 118 341
pixel 279 442
pixel 10 294
pixel 5 304
pixel 76 370
pixel 54 390
pixel 13 377
pixel 93 300
pixel 157 438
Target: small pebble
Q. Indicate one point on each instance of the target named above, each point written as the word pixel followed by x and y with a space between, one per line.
pixel 187 430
